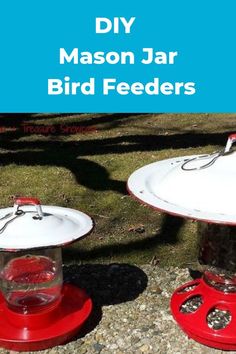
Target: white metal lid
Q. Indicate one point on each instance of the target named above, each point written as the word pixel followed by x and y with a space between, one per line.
pixel 199 187
pixel 30 225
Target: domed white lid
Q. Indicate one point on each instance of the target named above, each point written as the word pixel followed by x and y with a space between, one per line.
pixel 200 187
pixel 30 225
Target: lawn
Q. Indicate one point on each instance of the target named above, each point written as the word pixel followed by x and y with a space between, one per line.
pixel 83 161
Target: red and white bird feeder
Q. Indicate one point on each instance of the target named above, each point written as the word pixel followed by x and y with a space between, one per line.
pixel 200 187
pixel 36 310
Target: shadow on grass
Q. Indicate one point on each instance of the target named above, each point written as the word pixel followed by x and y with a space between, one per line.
pixel 168 234
pixel 106 285
pixel 95 177
pixel 114 145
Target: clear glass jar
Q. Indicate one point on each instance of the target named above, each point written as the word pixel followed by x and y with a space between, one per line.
pixel 31 281
pixel 217 255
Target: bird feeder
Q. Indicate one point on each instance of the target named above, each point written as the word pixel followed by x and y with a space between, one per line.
pixel 202 188
pixel 36 310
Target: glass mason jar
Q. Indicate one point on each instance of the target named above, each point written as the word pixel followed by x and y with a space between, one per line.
pixel 31 281
pixel 217 255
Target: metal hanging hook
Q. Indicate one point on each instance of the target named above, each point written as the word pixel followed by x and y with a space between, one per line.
pixel 214 156
pixel 18 214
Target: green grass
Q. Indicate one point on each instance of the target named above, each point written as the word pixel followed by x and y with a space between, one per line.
pixel 88 171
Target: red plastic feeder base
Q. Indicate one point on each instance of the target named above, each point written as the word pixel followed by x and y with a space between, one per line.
pixel 44 330
pixel 205 314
